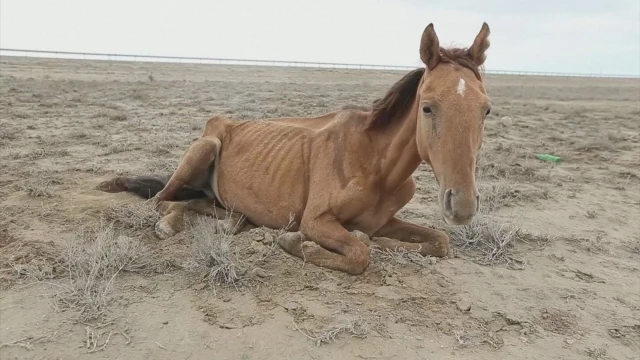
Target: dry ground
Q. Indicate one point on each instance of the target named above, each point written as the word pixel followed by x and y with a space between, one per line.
pixel 551 270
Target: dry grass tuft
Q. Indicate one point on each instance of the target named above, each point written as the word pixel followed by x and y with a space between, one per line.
pixel 31 260
pixel 38 269
pixel 463 338
pixel 356 327
pixel 94 260
pixel 490 238
pixel 111 115
pixel 214 252
pixel 402 257
pixel 137 217
pixel 601 143
pixel 495 195
pixel 634 245
pixel 41 188
pixel 41 153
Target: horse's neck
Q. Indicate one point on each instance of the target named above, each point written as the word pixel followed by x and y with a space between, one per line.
pixel 399 151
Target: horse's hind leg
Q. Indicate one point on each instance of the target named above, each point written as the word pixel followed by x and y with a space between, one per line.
pixel 172 220
pixel 227 221
pixel 194 167
pixel 193 170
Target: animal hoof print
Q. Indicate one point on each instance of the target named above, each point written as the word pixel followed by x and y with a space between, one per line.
pixel 163 230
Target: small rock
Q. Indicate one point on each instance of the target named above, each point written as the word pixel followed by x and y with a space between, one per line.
pixel 257 247
pixel 391 280
pixel 291 305
pixel 268 239
pixel 165 322
pixel 258 237
pixel 261 273
pixel 442 283
pixel 506 121
pixel 570 341
pixel 464 305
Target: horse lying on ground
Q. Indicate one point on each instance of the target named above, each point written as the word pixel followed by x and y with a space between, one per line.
pixel 344 173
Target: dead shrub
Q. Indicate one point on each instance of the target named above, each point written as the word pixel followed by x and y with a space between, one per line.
pixel 214 253
pixel 93 260
pixel 402 257
pixel 504 193
pixel 139 216
pixel 489 239
pixel 38 189
pixel 356 327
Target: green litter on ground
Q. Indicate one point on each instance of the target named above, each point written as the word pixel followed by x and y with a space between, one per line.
pixel 548 158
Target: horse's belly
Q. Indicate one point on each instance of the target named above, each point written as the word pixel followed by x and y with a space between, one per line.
pixel 269 193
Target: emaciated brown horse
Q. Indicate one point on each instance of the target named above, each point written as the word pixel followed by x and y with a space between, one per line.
pixel 338 180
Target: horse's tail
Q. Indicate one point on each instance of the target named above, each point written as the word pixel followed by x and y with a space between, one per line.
pixel 147 187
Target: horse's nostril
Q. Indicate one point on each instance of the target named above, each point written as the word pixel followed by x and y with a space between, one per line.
pixel 447 201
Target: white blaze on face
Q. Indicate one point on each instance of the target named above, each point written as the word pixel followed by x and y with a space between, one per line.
pixel 462 86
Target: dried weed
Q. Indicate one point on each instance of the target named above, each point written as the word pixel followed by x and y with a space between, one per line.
pixel 139 216
pixel 356 327
pixel 94 259
pixel 214 252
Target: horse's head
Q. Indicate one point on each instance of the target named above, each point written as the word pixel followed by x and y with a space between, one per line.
pixel 452 107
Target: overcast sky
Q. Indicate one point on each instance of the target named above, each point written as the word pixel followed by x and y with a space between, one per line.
pixel 589 36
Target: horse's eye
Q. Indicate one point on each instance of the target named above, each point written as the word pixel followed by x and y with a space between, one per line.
pixel 427 110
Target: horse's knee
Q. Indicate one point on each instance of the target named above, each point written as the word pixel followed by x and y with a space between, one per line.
pixel 358 257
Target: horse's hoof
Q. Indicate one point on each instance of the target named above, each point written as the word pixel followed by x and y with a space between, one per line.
pixel 164 230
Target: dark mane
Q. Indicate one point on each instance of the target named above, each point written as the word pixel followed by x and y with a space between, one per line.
pixel 397 101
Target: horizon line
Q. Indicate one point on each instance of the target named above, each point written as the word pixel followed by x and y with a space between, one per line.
pixel 289 63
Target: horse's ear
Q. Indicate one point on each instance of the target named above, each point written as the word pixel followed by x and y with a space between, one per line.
pixel 480 46
pixel 430 47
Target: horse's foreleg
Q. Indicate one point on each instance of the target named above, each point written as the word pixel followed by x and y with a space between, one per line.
pixel 398 233
pixel 193 170
pixel 331 246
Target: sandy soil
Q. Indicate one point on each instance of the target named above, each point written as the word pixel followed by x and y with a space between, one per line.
pixel 565 286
